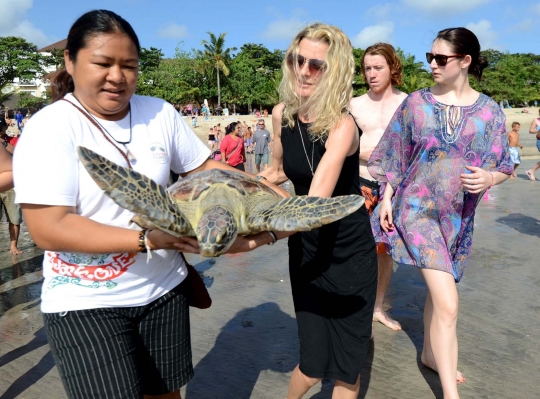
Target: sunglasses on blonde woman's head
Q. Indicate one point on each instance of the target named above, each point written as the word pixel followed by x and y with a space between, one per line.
pixel 315 66
pixel 441 59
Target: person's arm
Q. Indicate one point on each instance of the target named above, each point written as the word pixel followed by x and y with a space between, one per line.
pixel 497 165
pixel 223 149
pixel 9 148
pixel 342 141
pixel 480 179
pixel 59 228
pixel 395 144
pixel 243 150
pixel 385 214
pixel 6 170
pixel 534 126
pixel 275 173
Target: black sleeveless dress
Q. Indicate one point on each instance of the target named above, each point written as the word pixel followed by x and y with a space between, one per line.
pixel 333 271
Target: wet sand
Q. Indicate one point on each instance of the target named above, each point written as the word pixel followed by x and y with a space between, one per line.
pixel 245 345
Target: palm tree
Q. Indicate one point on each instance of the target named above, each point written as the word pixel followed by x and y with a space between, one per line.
pixel 217 56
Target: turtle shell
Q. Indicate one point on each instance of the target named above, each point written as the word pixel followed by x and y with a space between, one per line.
pixel 192 187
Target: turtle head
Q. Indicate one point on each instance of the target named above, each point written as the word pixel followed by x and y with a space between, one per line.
pixel 216 231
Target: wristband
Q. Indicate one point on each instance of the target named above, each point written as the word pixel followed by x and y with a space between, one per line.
pixel 492 180
pixel 142 243
pixel 274 237
pixel 259 178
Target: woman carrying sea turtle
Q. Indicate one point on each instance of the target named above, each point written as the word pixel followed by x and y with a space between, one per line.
pixel 117 322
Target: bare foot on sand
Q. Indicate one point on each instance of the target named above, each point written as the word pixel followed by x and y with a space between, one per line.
pixel 383 318
pixel 15 251
pixel 430 364
pixel 530 174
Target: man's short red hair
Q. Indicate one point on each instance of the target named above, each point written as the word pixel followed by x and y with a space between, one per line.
pixel 392 59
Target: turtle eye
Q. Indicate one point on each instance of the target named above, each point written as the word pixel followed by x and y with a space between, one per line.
pixel 152 148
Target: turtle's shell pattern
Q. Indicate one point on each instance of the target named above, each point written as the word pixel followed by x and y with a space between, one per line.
pixel 193 187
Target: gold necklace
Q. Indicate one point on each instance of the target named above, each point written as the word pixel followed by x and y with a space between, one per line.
pixel 303 145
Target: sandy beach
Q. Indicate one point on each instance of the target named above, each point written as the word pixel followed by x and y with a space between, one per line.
pixel 246 344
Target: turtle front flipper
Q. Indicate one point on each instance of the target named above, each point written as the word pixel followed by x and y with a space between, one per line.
pixel 303 213
pixel 136 193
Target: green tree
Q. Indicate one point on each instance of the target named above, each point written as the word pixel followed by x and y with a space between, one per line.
pixel 28 101
pixel 177 80
pixel 252 76
pixel 20 59
pixel 57 58
pixel 217 57
pixel 511 77
pixel 149 62
pixel 149 59
pixel 415 76
pixel 360 87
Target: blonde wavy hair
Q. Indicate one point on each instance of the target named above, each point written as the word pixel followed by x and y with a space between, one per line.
pixel 330 99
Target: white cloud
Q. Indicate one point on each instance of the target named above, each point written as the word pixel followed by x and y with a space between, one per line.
pixel 486 35
pixel 173 31
pixel 14 23
pixel 381 12
pixel 525 25
pixel 444 8
pixel 283 29
pixel 373 34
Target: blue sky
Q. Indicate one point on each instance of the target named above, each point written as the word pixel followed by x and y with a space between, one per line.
pixel 410 24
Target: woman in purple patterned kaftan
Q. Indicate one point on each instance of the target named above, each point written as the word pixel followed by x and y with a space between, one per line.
pixel 442 149
pixel 432 212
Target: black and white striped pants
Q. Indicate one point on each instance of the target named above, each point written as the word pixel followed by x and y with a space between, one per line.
pixel 123 352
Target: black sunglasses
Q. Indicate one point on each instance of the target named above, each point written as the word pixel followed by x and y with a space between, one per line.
pixel 315 66
pixel 442 59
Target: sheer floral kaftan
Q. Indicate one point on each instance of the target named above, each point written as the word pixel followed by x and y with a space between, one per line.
pixel 422 159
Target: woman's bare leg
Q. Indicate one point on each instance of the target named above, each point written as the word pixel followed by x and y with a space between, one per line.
pixel 343 390
pixel 300 384
pixel 440 339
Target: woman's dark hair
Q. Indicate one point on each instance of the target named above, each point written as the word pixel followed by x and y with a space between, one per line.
pixel 91 24
pixel 230 127
pixel 463 41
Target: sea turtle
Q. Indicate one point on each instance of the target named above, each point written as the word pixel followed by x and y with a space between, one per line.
pixel 214 206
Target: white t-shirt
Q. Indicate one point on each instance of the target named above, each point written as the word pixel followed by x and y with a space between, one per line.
pixel 48 172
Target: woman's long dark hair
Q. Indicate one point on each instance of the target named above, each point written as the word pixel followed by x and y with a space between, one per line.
pixel 463 41
pixel 230 127
pixel 91 24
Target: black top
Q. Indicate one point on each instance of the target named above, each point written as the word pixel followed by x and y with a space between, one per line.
pixel 340 240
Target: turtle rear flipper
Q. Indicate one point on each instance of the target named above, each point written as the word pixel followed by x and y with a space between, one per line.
pixel 303 213
pixel 136 193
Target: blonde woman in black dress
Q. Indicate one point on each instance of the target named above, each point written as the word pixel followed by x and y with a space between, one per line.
pixel 333 269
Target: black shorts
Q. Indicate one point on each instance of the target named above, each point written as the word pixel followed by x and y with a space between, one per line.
pixel 123 352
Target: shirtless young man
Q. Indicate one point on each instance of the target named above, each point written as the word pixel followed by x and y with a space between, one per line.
pixel 382 70
pixel 513 144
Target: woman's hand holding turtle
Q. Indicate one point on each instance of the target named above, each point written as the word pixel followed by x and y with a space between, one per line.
pixel 476 181
pixel 157 239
